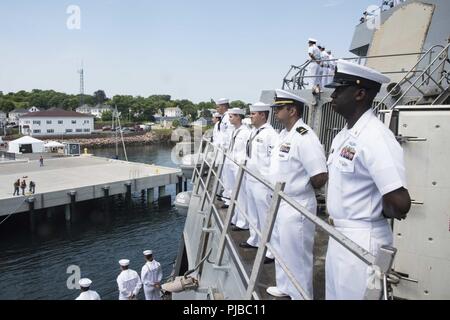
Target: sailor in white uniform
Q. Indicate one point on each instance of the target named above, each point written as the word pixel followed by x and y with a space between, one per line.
pixel 298 159
pixel 237 152
pixel 325 65
pixel 225 129
pixel 332 66
pixel 151 275
pixel 314 65
pixel 367 180
pixel 216 133
pixel 128 281
pixel 86 293
pixel 262 140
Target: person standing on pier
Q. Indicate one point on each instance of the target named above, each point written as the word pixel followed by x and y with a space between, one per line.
pixel 151 275
pixel 298 159
pixel 16 187
pixel 41 161
pixel 23 186
pixel 86 293
pixel 32 187
pixel 128 281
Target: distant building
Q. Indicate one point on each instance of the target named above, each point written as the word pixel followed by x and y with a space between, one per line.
pixel 97 111
pixel 14 115
pixel 173 112
pixel 56 122
pixel 202 122
pixel 3 118
pixel 33 109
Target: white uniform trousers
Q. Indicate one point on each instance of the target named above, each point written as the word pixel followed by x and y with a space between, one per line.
pixel 314 71
pixel 346 275
pixel 295 243
pixel 238 219
pixel 228 180
pixel 257 208
pixel 152 293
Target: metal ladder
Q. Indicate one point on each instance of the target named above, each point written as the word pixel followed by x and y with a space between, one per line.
pixel 425 77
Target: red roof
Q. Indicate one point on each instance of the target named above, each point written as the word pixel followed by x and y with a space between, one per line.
pixel 56 113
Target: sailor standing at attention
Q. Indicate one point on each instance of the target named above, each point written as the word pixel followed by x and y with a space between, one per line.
pixel 325 65
pixel 314 66
pixel 86 293
pixel 298 160
pixel 332 66
pixel 151 275
pixel 226 130
pixel 237 152
pixel 128 281
pixel 262 140
pixel 367 180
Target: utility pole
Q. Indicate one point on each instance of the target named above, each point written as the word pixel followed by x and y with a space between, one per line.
pixel 81 72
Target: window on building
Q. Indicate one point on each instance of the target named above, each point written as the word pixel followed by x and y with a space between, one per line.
pixel 87 130
pixel 68 130
pixel 74 121
pixel 50 130
pixel 38 122
pixel 37 131
pixel 27 122
pixel 79 130
pixel 86 121
pixel 49 121
pixel 60 122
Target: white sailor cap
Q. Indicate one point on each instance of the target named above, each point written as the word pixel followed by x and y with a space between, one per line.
pixel 283 97
pixel 222 101
pixel 259 107
pixel 124 262
pixel 85 282
pixel 312 40
pixel 236 111
pixel 352 74
pixel 217 115
pixel 147 252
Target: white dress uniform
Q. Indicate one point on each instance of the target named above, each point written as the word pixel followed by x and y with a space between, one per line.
pixel 151 273
pixel 216 134
pixel 259 149
pixel 297 157
pixel 226 131
pixel 332 66
pixel 88 295
pixel 365 163
pixel 237 152
pixel 324 68
pixel 314 67
pixel 129 283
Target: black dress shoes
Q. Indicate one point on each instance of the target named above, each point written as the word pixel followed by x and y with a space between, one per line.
pixel 245 245
pixel 268 260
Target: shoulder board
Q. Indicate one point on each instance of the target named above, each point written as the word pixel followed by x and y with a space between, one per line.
pixel 302 130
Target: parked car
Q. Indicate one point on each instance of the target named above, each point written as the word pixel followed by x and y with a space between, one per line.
pixel 106 128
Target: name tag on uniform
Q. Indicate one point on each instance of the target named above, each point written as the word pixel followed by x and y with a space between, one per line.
pixel 259 140
pixel 284 152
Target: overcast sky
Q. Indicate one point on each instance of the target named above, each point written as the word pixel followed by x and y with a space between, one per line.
pixel 196 50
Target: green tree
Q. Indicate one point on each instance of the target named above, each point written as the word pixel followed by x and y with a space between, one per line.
pixel 107 116
pixel 100 96
pixel 6 105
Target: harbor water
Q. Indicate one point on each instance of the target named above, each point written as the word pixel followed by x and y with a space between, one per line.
pixel 43 264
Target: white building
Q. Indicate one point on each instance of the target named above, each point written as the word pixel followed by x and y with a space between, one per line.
pixel 96 111
pixel 33 109
pixel 2 118
pixel 14 115
pixel 173 112
pixel 56 122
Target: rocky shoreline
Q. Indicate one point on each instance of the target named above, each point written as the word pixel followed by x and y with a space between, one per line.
pixel 146 138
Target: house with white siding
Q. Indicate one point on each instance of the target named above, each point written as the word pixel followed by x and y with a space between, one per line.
pixel 56 122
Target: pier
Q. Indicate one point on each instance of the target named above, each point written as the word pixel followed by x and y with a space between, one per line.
pixel 66 181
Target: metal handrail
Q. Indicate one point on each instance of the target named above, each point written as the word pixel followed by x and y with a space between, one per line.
pixel 412 73
pixel 278 195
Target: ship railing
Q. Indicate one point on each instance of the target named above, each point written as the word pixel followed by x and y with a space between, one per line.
pixel 298 80
pixel 381 263
pixel 435 64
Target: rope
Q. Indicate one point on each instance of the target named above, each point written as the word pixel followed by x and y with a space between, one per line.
pixel 14 211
